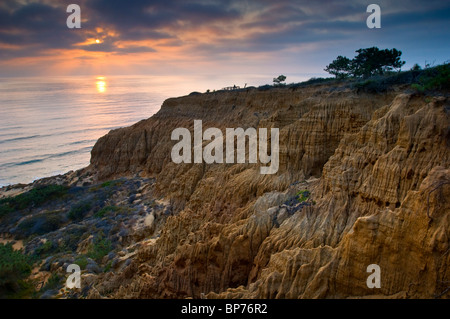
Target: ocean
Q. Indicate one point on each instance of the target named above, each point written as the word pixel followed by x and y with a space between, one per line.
pixel 48 126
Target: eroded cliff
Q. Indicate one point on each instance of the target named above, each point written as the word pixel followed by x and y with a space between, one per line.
pixel 363 179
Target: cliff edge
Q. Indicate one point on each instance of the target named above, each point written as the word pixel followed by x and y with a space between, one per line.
pixel 363 179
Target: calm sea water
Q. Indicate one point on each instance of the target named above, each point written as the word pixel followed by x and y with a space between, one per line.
pixel 48 126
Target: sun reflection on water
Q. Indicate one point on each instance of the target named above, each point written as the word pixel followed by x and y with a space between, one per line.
pixel 101 84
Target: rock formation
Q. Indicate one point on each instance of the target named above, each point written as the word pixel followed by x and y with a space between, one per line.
pixel 376 171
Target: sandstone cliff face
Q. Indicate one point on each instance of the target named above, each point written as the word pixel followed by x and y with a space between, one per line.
pixel 376 168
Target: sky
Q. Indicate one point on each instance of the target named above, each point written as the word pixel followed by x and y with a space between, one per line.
pixel 242 38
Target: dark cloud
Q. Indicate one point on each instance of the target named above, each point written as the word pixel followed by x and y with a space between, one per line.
pixel 39 26
pixel 30 28
pixel 140 19
pixel 34 28
pixel 160 13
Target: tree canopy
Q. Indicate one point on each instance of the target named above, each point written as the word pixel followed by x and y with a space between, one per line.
pixel 368 62
pixel 279 79
pixel 341 67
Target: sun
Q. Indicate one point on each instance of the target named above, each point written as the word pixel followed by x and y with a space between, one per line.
pixel 97 41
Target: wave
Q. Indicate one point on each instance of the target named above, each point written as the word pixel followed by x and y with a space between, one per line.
pixel 49 124
pixel 81 150
pixel 82 142
pixel 19 139
pixel 107 128
pixel 46 157
pixel 15 150
pixel 29 162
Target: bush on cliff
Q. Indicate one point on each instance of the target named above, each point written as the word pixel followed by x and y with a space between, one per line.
pixel 436 78
pixel 105 210
pixel 41 224
pixel 302 195
pixel 45 249
pixel 100 248
pixel 54 282
pixel 14 268
pixel 33 198
pixel 78 211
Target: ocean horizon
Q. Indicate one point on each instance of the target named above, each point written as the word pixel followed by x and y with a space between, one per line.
pixel 48 125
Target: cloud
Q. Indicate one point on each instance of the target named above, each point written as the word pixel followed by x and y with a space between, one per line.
pixel 36 25
pixel 212 29
pixel 113 48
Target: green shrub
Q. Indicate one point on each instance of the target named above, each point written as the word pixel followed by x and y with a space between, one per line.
pixel 54 282
pixel 33 198
pixel 45 249
pixel 78 211
pixel 100 248
pixel 41 224
pixel 14 267
pixel 71 237
pixel 5 209
pixel 106 184
pixel 315 80
pixel 265 87
pixel 25 289
pixel 108 266
pixel 376 84
pixel 418 87
pixel 416 67
pixel 436 78
pixel 302 196
pixel 107 209
pixel 82 262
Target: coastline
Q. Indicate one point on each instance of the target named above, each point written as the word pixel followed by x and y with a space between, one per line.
pixel 354 179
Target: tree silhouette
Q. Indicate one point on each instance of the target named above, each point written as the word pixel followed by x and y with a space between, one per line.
pixel 368 62
pixel 373 61
pixel 279 79
pixel 341 67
